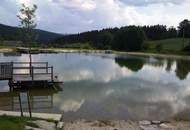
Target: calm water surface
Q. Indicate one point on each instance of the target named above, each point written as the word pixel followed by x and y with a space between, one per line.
pixel 100 86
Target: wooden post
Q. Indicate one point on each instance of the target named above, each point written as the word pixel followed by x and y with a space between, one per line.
pixel 29 107
pixel 46 67
pixel 32 70
pixel 52 73
pixel 21 112
pixel 12 71
pixel 30 57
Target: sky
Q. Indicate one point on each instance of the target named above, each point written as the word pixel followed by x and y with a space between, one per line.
pixel 74 16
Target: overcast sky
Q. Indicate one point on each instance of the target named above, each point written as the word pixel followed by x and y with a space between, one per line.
pixel 73 16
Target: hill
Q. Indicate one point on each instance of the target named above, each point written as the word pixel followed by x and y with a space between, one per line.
pixel 12 33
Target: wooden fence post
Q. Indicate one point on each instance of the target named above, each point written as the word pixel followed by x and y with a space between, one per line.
pixel 46 67
pixel 52 73
pixel 32 70
pixel 20 105
pixel 29 107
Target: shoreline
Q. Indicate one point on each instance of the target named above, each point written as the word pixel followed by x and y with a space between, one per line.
pixel 61 50
pixel 126 125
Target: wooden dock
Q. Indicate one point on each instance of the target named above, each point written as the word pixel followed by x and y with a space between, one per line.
pixel 20 74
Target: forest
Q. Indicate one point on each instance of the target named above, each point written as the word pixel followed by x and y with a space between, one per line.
pixel 129 38
pixel 151 38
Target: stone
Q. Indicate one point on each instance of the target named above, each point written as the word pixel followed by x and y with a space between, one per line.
pixel 145 122
pixel 45 124
pixel 32 128
pixel 166 126
pixel 60 125
pixel 148 128
pixel 156 122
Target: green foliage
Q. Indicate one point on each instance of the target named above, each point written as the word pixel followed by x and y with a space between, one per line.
pixel 129 39
pixel 169 45
pixel 159 47
pixel 156 32
pixel 187 49
pixel 27 20
pixel 146 46
pixel 184 29
pixel 12 123
pixel 104 40
pixel 1 38
pixel 78 46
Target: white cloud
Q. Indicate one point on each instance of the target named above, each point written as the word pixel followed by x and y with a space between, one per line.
pixel 92 73
pixel 148 2
pixel 77 4
pixel 71 105
pixel 72 16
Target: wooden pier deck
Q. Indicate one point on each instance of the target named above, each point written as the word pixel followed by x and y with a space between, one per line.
pixel 21 74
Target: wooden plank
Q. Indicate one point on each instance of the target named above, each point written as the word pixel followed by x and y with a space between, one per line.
pixel 29 78
pixel 29 63
pixel 32 67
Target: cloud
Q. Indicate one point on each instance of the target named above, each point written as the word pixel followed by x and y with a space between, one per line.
pixel 148 2
pixel 77 4
pixel 71 105
pixel 73 16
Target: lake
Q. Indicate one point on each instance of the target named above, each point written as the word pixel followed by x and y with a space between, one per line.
pixel 109 87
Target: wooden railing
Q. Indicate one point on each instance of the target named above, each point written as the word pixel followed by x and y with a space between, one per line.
pixel 7 69
pixel 41 66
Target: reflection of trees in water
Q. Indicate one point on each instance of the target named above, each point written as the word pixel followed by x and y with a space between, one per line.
pixel 157 63
pixel 182 69
pixel 134 64
pixel 169 64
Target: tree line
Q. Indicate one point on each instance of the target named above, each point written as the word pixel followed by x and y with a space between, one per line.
pixel 128 38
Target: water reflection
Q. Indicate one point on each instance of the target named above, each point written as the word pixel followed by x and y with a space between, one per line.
pixel 40 100
pixel 182 69
pixel 136 64
pixel 100 86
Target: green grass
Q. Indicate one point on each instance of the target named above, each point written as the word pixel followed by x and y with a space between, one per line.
pixel 174 45
pixel 13 123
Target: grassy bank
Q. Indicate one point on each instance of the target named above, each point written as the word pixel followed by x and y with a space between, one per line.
pixel 172 46
pixel 14 123
pixel 168 46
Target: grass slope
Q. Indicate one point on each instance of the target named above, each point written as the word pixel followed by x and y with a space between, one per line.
pixel 168 45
